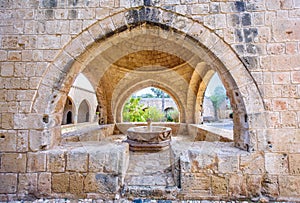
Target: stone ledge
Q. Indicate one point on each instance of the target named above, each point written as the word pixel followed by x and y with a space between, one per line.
pixel 86 132
pixel 210 133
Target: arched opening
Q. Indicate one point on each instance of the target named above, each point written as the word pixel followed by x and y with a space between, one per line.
pixel 83 112
pixel 68 109
pixel 69 117
pixel 150 103
pixel 217 109
pixel 169 58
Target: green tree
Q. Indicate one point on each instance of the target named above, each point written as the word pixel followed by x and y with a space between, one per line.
pixel 148 95
pixel 217 99
pixel 159 93
pixel 133 111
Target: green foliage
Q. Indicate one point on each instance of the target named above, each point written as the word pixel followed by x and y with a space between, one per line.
pixel 133 111
pixel 147 95
pixel 217 99
pixel 159 93
pixel 172 116
pixel 154 114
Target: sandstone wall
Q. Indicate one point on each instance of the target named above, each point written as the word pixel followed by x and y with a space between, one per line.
pixel 46 43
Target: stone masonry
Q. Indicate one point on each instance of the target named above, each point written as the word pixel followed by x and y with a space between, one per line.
pixel 123 46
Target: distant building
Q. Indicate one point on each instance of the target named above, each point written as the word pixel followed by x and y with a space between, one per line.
pixel 81 103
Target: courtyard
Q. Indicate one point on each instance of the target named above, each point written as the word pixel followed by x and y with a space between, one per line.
pixel 61 141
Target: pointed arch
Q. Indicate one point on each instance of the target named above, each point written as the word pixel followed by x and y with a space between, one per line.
pixel 68 112
pixel 87 47
pixel 84 112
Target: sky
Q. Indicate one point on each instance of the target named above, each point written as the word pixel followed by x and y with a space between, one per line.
pixel 214 82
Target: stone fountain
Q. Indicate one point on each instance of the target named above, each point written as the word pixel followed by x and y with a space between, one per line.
pixel 149 138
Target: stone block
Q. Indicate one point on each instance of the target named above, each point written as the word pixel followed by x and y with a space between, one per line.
pixel 196 183
pixel 97 161
pixel 7 120
pixel 96 32
pixel 60 182
pixel 22 141
pixel 8 183
pixel 48 42
pixel 276 163
pixel 101 183
pixel 7 69
pixel 102 13
pixel 90 183
pixel 200 9
pixel 275 48
pixel 76 184
pixel 28 121
pixel 8 141
pixel 3 55
pixel 219 185
pixel 237 186
pixel 288 119
pixel 27 183
pixel 270 185
pixel 75 48
pixel 107 25
pixel 36 161
pixel 289 186
pixel 77 160
pixel 286 30
pixel 280 104
pixel 111 159
pixel 44 183
pixel 282 78
pixel 252 163
pixel 254 185
pixel 86 39
pixel 296 77
pixel 56 161
pixel 292 47
pixel 13 162
pixel 202 162
pixel 294 164
pixel 228 163
pixel 282 140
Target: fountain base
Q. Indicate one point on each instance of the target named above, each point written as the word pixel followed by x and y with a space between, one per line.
pixel 148 146
pixel 144 139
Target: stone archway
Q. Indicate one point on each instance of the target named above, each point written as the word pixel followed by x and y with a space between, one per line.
pixel 138 86
pixel 87 50
pixel 68 113
pixel 83 112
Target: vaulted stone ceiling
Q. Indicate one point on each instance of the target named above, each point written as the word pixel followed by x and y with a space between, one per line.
pixel 165 59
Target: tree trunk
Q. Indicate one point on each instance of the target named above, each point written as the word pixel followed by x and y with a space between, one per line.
pixel 163 102
pixel 216 114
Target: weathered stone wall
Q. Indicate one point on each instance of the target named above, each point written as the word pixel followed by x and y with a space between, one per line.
pixel 157 102
pixel 254 45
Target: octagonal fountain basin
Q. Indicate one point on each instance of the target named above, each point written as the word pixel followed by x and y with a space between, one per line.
pixel 145 138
